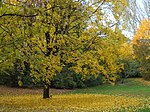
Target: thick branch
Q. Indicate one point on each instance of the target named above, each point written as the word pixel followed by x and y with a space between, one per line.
pixel 20 15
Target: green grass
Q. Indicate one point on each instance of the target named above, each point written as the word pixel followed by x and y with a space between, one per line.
pixel 144 110
pixel 129 87
pixel 131 96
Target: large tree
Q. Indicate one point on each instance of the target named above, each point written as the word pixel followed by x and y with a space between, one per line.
pixel 47 35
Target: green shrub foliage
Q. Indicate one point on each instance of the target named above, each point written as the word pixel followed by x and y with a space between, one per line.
pixel 67 79
pixel 131 69
pixel 64 80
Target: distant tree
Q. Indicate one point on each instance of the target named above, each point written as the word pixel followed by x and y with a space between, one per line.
pixel 141 45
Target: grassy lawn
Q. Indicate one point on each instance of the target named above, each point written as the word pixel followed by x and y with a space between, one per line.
pixel 131 87
pixel 132 96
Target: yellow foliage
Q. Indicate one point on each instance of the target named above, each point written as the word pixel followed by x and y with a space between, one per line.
pixel 143 32
pixel 59 32
pixel 126 51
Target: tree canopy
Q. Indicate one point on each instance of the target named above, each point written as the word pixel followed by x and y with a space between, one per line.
pixel 47 35
pixel 141 45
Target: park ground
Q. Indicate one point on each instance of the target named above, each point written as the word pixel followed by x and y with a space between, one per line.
pixel 131 96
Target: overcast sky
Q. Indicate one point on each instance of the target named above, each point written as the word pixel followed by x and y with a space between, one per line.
pixel 139 1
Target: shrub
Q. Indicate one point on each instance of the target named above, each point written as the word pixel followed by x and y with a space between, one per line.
pixel 131 69
pixel 72 80
pixel 63 81
pixel 8 78
pixel 11 78
pixel 93 81
pixel 146 76
pixel 66 79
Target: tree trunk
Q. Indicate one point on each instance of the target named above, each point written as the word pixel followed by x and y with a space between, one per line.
pixel 46 91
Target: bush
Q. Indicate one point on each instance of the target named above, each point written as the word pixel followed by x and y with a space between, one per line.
pixel 11 78
pixel 63 81
pixel 131 69
pixel 146 76
pixel 66 79
pixel 8 78
pixel 72 80
pixel 4 79
pixel 27 81
pixel 93 81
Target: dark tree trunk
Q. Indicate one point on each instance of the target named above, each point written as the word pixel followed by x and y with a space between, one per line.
pixel 46 91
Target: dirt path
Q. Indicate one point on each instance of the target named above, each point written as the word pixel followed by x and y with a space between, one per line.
pixel 4 90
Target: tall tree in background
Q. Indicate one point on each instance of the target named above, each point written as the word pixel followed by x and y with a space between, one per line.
pixel 141 45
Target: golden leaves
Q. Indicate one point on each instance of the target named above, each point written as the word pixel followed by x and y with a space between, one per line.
pixel 143 32
pixel 62 31
pixel 74 102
